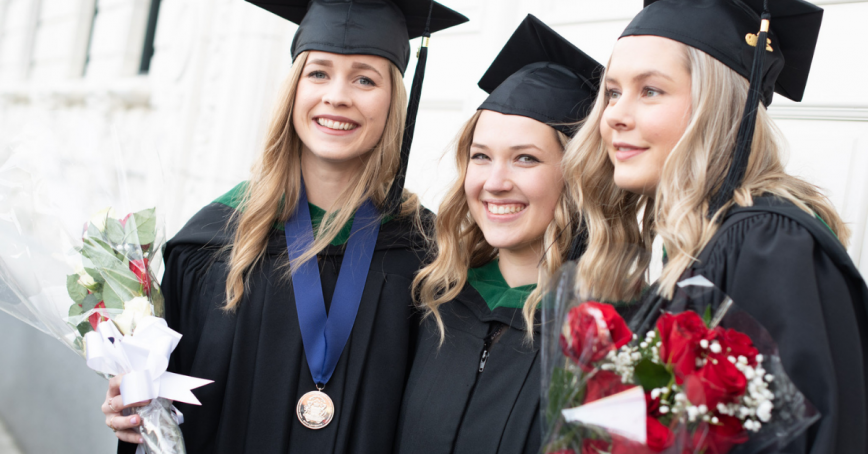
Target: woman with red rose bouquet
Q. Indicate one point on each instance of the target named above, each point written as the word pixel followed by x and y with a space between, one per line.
pixel 474 384
pixel 680 134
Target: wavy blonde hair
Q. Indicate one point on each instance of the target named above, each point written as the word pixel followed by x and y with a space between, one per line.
pixel 692 172
pixel 273 189
pixel 460 244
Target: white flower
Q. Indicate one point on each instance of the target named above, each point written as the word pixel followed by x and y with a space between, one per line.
pixel 703 343
pixel 703 409
pixel 764 411
pixel 134 310
pixel 752 425
pixel 643 345
pixel 715 347
pixel 655 393
pixel 759 359
pixel 714 420
pixel 731 359
pixel 86 279
pixel 664 409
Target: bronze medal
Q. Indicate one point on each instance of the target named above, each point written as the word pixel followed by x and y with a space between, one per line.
pixel 315 410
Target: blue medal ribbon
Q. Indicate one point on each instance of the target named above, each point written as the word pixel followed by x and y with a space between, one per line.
pixel 325 335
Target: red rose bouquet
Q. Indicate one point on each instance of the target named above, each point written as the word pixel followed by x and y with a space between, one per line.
pixel 97 292
pixel 681 383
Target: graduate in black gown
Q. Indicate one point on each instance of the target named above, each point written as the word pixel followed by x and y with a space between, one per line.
pixel 475 382
pixel 681 131
pixel 292 291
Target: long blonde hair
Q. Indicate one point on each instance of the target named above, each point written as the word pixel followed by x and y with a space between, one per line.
pixel 691 174
pixel 460 244
pixel 273 189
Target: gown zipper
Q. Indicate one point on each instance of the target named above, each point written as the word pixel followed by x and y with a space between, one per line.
pixel 487 343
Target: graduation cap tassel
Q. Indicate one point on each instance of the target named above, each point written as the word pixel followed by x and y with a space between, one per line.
pixel 744 139
pixel 393 198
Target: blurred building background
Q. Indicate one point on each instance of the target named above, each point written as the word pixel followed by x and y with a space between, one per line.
pixel 186 86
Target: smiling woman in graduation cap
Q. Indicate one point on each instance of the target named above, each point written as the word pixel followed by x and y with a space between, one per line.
pixel 292 291
pixel 681 131
pixel 475 382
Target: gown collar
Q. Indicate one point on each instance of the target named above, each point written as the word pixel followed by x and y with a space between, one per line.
pixel 492 287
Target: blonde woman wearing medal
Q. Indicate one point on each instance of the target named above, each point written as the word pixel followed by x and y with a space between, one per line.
pixel 670 135
pixel 292 291
pixel 475 382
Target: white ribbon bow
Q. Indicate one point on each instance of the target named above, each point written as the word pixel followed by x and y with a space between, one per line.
pixel 142 359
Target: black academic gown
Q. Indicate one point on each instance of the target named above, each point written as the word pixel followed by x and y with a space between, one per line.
pixel 452 407
pixel 255 355
pixel 788 271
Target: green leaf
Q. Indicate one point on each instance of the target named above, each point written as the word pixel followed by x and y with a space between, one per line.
pixel 115 273
pixel 79 344
pixel 123 282
pixel 74 310
pixel 84 327
pixel 90 301
pixel 651 375
pixel 100 253
pixel 114 230
pixel 76 291
pixel 95 275
pixel 561 393
pixel 111 299
pixel 145 225
pixel 158 302
pixel 706 318
pixel 93 231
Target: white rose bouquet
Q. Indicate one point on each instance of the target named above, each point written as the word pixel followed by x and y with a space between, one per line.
pixel 114 300
pixel 95 289
pixel 114 278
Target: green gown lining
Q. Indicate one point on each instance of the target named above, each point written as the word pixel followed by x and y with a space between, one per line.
pixel 489 282
pixel 235 196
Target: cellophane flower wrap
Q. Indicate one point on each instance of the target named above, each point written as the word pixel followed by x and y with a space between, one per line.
pixel 77 263
pixel 690 375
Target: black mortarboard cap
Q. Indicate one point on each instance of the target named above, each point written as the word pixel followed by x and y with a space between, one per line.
pixel 720 28
pixel 370 27
pixel 771 43
pixel 540 75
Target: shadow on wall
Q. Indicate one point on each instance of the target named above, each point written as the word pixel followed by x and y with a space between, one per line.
pixel 49 399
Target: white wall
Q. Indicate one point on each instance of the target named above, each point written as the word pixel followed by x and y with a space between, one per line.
pixel 200 114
